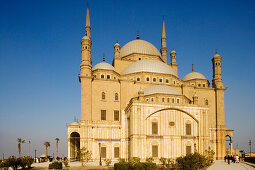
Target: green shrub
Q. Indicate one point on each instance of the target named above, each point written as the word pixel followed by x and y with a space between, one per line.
pixel 121 166
pixel 149 165
pixel 192 161
pixel 22 162
pixel 163 160
pixel 122 160
pixel 66 163
pixel 135 166
pixel 13 162
pixel 150 159
pixel 108 162
pixel 3 164
pixel 133 160
pixel 29 161
pixel 55 165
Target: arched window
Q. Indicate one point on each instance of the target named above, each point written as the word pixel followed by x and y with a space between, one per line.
pixel 103 95
pixel 116 96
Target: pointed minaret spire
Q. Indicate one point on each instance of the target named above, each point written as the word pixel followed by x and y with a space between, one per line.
pixel 87 27
pixel 163 49
pixel 163 29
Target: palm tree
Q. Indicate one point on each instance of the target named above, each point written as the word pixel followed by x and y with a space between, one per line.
pixel 47 144
pixel 20 141
pixel 57 139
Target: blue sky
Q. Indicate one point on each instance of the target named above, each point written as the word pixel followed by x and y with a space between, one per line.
pixel 40 56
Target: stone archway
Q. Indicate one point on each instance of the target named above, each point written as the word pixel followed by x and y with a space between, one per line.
pixel 228 145
pixel 74 146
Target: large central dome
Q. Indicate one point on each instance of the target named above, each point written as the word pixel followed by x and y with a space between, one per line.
pixel 149 65
pixel 139 47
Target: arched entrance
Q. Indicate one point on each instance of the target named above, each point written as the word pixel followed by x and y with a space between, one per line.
pixel 75 146
pixel 228 145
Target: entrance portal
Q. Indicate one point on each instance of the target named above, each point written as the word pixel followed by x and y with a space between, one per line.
pixel 75 146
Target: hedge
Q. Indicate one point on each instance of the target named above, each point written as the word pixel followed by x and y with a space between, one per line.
pixel 136 166
pixel 55 165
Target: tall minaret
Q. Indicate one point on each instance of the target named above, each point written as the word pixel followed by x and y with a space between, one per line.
pixel 85 76
pixel 163 49
pixel 219 107
pixel 217 79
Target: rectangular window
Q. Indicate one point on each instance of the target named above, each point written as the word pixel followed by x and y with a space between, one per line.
pixel 103 114
pixel 163 99
pixel 154 79
pixel 177 100
pixel 188 129
pixel 167 81
pixel 160 80
pixel 102 76
pixel 154 151
pixel 172 100
pixel 103 152
pixel 188 150
pixel 108 76
pixel 154 128
pixel 116 115
pixel 148 79
pixel 116 152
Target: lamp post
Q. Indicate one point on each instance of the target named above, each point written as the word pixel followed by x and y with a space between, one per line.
pixel 100 162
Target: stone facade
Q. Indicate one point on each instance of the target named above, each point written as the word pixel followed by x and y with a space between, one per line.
pixel 140 107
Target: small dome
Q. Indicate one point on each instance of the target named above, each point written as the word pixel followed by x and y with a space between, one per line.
pixel 161 89
pixel 216 55
pixel 173 52
pixel 117 44
pixel 140 47
pixel 75 123
pixel 194 75
pixel 104 66
pixel 149 65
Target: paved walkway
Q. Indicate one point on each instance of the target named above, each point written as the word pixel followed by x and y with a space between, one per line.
pixel 222 165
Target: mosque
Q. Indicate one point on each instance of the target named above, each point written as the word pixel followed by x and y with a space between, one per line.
pixel 138 106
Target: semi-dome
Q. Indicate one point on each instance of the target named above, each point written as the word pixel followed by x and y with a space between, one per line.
pixel 194 75
pixel 140 47
pixel 149 65
pixel 104 66
pixel 161 89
